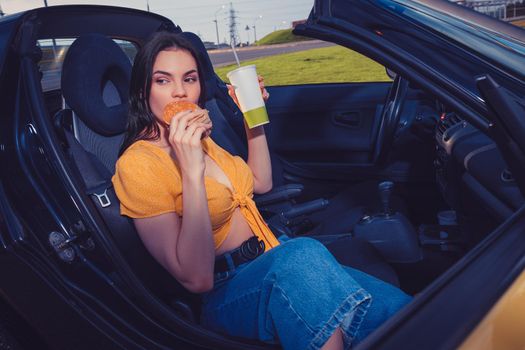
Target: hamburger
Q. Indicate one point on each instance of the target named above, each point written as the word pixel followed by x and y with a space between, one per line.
pixel 173 108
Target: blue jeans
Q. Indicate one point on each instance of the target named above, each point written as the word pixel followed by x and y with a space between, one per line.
pixel 297 295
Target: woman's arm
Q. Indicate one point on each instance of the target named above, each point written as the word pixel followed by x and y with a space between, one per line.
pixel 259 159
pixel 184 245
pixel 258 153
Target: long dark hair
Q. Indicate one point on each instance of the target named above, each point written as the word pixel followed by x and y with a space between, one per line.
pixel 142 123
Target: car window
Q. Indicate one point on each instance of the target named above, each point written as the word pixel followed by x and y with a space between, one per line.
pixel 53 53
pixel 327 64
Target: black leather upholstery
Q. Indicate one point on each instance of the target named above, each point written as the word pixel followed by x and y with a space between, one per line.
pixel 95 83
pixel 101 126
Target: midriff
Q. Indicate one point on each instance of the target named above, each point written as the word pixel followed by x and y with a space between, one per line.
pixel 240 231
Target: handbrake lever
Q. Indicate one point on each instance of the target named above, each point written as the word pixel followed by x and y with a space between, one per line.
pixel 282 223
pixel 303 209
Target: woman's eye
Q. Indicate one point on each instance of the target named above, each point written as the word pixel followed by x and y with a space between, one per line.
pixel 190 79
pixel 161 80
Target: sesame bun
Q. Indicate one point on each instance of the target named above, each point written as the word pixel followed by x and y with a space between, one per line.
pixel 173 108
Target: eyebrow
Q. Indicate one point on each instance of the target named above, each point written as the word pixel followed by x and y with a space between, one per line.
pixel 170 75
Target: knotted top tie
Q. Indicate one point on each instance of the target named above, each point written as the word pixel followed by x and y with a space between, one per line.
pixel 148 182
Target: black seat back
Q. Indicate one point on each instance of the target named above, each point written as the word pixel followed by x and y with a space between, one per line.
pixel 95 82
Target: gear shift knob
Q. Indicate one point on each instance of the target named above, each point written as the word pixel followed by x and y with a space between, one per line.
pixel 385 191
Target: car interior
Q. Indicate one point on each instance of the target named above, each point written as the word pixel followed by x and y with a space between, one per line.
pixel 94 125
pixel 386 166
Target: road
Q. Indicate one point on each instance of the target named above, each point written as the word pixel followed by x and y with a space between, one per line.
pixel 224 57
pixel 51 69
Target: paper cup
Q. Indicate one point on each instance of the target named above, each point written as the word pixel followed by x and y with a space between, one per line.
pixel 246 85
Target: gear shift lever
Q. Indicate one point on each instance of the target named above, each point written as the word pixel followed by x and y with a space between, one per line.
pixel 385 192
pixel 390 232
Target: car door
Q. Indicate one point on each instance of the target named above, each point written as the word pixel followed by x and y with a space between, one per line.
pixel 326 123
pixel 326 132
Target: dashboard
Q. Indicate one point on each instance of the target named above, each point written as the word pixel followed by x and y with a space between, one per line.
pixel 468 160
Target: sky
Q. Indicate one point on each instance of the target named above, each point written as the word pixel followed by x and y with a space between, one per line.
pixel 198 15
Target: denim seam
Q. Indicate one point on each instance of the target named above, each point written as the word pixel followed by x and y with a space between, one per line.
pixel 283 293
pixel 349 307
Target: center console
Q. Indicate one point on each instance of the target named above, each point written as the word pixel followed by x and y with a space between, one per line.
pixel 390 232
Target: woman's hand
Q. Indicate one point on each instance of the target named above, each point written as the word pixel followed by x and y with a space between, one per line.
pixel 265 94
pixel 203 117
pixel 185 136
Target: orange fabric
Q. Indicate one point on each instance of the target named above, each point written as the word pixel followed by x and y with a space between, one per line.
pixel 148 183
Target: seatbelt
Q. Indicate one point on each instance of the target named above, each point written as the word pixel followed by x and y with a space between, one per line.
pixel 96 179
pixel 98 185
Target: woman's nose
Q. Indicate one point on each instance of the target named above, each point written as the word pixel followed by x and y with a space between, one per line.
pixel 178 91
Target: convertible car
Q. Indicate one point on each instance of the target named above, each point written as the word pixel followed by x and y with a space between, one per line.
pixel 445 138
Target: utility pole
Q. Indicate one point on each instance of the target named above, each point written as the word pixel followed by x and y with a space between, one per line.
pixel 45 3
pixel 147 5
pixel 254 31
pixel 233 26
pixel 216 23
pixel 1 12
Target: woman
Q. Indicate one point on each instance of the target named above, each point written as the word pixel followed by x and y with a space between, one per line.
pixel 191 203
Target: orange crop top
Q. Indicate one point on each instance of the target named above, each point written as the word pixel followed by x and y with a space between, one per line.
pixel 148 182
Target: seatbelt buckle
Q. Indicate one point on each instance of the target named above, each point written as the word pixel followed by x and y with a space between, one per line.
pixel 103 198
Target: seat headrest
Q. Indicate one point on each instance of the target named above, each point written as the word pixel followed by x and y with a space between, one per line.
pixel 93 63
pixel 207 67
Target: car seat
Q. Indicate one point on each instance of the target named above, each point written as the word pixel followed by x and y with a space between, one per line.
pixel 337 215
pixel 95 83
pixel 95 78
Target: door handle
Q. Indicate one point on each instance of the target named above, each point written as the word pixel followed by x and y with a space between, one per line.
pixel 352 119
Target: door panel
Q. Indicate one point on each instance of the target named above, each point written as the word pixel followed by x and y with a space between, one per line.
pixel 326 133
pixel 325 123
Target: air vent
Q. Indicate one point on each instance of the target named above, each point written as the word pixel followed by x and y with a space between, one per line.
pixel 446 122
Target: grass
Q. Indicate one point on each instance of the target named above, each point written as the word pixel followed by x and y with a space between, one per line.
pixel 280 37
pixel 333 64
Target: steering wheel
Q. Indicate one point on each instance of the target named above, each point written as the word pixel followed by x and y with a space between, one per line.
pixel 390 118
